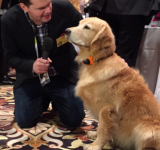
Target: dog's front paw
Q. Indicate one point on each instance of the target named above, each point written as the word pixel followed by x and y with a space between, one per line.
pixel 92 134
pixel 91 147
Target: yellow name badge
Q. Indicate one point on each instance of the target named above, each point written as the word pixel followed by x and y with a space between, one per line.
pixel 61 40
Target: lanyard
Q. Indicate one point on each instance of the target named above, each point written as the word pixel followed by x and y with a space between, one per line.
pixel 35 31
pixel 36 40
pixel 36 45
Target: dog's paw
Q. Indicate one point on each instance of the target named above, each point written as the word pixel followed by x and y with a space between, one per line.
pixel 91 147
pixel 92 134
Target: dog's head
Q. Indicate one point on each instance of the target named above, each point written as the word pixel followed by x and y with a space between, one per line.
pixel 94 37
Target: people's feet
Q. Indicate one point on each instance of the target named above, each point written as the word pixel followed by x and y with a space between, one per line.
pixel 7 81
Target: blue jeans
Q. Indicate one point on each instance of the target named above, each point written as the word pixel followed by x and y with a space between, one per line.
pixel 30 99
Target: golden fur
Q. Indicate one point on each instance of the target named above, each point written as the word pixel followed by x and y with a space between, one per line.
pixel 128 112
pixel 76 4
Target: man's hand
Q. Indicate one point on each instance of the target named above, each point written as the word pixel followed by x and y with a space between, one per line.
pixel 41 65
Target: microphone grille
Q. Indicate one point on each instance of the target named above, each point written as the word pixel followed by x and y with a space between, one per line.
pixel 47 44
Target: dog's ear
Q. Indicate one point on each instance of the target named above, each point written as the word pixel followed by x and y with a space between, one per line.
pixel 103 39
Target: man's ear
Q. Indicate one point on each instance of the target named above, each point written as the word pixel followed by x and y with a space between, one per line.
pixel 103 38
pixel 24 7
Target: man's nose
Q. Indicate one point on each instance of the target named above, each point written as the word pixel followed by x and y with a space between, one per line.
pixel 48 9
pixel 68 31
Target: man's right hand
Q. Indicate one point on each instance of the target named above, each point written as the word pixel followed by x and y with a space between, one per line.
pixel 40 66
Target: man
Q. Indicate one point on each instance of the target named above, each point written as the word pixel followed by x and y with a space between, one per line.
pixel 127 19
pixel 31 21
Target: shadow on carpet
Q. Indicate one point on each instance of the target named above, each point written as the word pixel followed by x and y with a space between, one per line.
pixel 49 133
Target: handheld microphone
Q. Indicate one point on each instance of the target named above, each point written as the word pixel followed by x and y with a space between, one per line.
pixel 46 47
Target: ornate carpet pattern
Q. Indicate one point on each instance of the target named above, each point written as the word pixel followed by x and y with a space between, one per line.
pixel 49 133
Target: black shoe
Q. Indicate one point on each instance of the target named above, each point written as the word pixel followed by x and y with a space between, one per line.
pixel 6 81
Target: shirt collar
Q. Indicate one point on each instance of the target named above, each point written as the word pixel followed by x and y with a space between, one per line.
pixel 31 22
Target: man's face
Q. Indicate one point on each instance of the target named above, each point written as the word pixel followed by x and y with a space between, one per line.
pixel 39 11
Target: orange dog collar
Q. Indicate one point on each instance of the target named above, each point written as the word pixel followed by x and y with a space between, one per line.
pixel 89 61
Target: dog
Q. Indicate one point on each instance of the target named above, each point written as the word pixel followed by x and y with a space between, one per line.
pixel 116 95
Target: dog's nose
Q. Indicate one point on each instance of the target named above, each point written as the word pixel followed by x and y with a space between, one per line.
pixel 68 31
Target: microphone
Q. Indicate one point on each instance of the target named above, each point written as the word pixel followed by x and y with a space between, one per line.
pixel 46 47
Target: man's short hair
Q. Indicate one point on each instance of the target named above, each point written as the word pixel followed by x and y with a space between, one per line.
pixel 26 2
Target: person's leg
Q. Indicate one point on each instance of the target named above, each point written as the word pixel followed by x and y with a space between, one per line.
pixel 28 104
pixel 1 57
pixel 1 67
pixel 70 108
pixel 111 19
pixel 4 79
pixel 130 32
pixel 92 12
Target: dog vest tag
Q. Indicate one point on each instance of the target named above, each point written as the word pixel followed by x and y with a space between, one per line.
pixel 61 40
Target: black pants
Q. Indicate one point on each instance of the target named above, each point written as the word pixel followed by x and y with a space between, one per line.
pixel 128 31
pixel 3 66
pixel 30 100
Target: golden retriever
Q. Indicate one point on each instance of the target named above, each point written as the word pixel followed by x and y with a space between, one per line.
pixel 128 112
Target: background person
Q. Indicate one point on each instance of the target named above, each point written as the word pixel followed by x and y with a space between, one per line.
pixel 127 19
pixel 4 68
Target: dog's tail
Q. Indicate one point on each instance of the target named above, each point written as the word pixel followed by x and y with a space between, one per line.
pixel 147 135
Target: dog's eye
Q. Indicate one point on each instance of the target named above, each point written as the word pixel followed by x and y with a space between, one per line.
pixel 87 27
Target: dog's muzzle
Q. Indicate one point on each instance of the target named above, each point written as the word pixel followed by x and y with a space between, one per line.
pixel 68 32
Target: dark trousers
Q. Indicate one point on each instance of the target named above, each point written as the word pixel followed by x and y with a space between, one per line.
pixel 30 99
pixel 3 66
pixel 128 31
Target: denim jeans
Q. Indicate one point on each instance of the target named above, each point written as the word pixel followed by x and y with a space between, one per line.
pixel 30 99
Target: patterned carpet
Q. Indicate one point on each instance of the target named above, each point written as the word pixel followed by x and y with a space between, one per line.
pixel 49 133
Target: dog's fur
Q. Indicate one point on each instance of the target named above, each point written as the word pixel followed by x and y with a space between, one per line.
pixel 128 113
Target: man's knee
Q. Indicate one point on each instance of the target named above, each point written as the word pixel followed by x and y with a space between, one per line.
pixel 73 120
pixel 25 123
